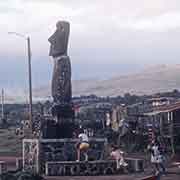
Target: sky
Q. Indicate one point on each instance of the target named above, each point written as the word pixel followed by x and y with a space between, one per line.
pixel 108 38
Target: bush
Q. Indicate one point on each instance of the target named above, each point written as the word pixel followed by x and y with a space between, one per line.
pixel 20 175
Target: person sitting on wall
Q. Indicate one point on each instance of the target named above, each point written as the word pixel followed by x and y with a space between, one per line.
pixel 82 145
pixel 118 155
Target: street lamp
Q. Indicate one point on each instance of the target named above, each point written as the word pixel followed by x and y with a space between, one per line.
pixel 29 71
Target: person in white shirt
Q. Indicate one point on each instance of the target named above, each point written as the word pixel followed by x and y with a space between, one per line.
pixel 156 157
pixel 82 146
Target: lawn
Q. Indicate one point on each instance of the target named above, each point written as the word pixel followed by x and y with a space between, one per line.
pixel 10 144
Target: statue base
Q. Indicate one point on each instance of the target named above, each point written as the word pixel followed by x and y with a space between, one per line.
pixel 57 157
pixel 56 130
pixel 63 125
pixel 63 111
pixel 39 152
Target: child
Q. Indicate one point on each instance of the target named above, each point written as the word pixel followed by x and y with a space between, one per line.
pixel 118 155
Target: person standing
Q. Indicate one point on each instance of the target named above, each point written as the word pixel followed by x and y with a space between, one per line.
pixel 156 157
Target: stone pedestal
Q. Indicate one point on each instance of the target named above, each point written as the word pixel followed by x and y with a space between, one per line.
pixel 31 150
pixel 58 130
pixel 37 152
pixel 63 111
pixel 57 157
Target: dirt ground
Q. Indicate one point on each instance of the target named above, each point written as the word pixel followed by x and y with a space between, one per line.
pixel 10 144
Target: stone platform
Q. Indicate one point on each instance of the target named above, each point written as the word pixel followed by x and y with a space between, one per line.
pixel 56 157
pixel 37 152
pixel 91 168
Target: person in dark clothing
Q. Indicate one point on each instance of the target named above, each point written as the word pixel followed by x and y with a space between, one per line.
pixel 157 156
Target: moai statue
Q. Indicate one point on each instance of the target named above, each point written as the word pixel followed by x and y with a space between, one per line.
pixel 61 82
pixel 62 109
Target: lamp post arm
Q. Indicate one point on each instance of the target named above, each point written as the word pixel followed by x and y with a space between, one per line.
pixel 18 34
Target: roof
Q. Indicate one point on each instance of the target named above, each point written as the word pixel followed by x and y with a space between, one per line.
pixel 153 113
pixel 164 109
pixel 169 108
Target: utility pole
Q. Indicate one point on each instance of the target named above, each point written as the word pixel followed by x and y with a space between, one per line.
pixel 29 74
pixel 30 83
pixel 2 104
pixel 172 133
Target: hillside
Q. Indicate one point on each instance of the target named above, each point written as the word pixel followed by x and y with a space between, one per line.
pixel 151 80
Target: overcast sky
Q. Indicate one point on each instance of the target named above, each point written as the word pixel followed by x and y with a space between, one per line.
pixel 108 37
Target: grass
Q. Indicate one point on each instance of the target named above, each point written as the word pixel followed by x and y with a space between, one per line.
pixel 10 144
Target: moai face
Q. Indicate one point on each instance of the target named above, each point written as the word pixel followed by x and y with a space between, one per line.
pixel 59 25
pixel 59 40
